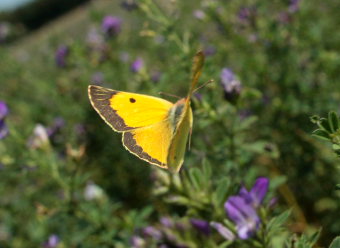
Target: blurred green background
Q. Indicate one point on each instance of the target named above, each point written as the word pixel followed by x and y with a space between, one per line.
pixel 286 54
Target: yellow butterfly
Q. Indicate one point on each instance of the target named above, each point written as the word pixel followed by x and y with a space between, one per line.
pixel 153 129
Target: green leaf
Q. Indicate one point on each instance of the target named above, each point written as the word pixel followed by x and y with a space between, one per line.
pixel 335 243
pixel 206 172
pixel 324 124
pixel 180 200
pixel 246 123
pixel 278 181
pixel 315 237
pixel 225 244
pixel 221 191
pixel 333 121
pixel 195 177
pixel 146 212
pixel 321 134
pixel 337 187
pixel 279 220
pixel 315 119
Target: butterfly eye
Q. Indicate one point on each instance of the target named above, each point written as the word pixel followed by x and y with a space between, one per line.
pixel 132 100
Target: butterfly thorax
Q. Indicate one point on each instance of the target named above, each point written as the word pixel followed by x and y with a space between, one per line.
pixel 177 112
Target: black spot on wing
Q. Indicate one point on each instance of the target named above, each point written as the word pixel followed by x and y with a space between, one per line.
pixel 100 99
pixel 132 100
pixel 131 144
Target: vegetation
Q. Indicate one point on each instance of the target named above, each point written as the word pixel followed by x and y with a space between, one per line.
pixel 255 176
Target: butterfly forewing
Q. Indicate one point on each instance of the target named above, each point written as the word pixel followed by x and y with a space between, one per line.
pixel 124 111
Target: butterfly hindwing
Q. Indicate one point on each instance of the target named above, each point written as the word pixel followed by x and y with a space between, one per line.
pixel 125 111
pixel 150 143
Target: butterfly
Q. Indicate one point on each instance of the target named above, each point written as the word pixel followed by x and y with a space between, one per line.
pixel 153 129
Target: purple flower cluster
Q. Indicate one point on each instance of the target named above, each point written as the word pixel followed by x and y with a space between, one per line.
pixel 209 50
pixel 52 241
pixel 247 14
pixel 294 6
pixel 61 54
pixel 285 16
pixel 199 14
pixel 201 225
pixel 111 26
pixel 3 113
pixel 137 65
pixel 242 210
pixel 165 234
pixel 231 86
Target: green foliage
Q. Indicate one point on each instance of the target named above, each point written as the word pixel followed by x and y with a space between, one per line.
pixel 329 130
pixel 335 243
pixel 304 241
pixel 74 179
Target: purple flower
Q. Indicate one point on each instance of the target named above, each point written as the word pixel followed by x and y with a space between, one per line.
pixel 242 208
pixel 167 222
pixel 272 203
pixel 199 14
pixel 231 86
pixel 209 50
pixel 246 14
pixel 3 129
pixel 152 232
pixel 137 242
pixel 201 225
pixel 243 215
pixel 3 113
pixel 257 193
pixel 198 96
pixel 137 65
pixel 3 110
pixel 58 124
pixel 61 55
pixel 52 241
pixel 111 25
pixel 293 6
pixel 156 76
pixel 225 232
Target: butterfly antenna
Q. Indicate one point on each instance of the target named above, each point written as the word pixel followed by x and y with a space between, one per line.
pixel 167 94
pixel 203 85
